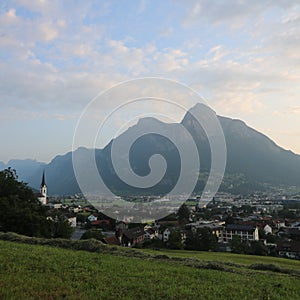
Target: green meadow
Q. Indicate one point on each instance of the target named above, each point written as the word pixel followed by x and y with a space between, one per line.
pixel 48 272
pixel 222 257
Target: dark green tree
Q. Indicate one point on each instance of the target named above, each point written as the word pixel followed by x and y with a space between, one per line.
pixel 247 209
pixel 286 213
pixel 261 233
pixel 272 238
pixel 93 234
pixel 82 217
pixel 258 248
pixel 154 243
pixel 183 213
pixel 239 246
pixel 60 227
pixel 202 239
pixel 175 240
pixel 20 210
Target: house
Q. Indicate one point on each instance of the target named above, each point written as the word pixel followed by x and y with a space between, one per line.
pixel 294 234
pixel 215 227
pixel 296 225
pixel 245 232
pixel 268 229
pixel 111 240
pixel 289 232
pixel 87 209
pixel 168 223
pixel 122 226
pixel 72 220
pixel 104 224
pixel 92 218
pixel 132 236
pixel 75 209
pixel 57 206
pixel 151 231
pixel 290 249
pixel 165 234
pixel 279 224
pixel 150 234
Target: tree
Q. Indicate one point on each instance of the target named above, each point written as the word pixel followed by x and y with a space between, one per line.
pixel 272 238
pixel 82 217
pixel 202 239
pixel 93 234
pixel 183 213
pixel 286 213
pixel 20 210
pixel 154 243
pixel 175 240
pixel 239 246
pixel 258 248
pixel 247 209
pixel 262 234
pixel 60 227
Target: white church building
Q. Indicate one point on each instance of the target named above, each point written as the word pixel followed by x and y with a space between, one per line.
pixel 42 196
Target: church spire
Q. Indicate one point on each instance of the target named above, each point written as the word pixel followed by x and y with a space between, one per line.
pixel 43 190
pixel 43 180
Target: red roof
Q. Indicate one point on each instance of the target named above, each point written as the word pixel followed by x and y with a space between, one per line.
pixel 111 240
pixel 98 222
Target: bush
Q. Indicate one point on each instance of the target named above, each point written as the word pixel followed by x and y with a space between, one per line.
pixel 91 245
pixel 161 256
pixel 92 234
pixel 265 267
pixel 154 244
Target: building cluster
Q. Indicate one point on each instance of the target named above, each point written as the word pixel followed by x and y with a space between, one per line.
pixel 271 220
pixel 274 224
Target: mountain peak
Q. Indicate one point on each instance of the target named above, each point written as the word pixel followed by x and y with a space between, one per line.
pixel 249 153
pixel 148 120
pixel 201 108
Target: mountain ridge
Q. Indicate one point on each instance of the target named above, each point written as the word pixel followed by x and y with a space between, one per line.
pixel 249 152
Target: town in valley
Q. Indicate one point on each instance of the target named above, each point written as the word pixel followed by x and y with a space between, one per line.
pixel 258 223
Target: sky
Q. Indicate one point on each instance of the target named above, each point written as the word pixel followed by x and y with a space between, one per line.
pixel 242 57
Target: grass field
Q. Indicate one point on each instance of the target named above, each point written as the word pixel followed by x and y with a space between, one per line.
pixel 229 258
pixel 44 272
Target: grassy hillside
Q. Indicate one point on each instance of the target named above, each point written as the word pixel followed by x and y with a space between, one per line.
pixel 44 272
pixel 240 259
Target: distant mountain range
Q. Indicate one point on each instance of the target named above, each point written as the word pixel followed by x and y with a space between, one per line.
pixel 253 160
pixel 25 168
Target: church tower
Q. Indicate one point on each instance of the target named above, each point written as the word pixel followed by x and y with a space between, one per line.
pixel 43 190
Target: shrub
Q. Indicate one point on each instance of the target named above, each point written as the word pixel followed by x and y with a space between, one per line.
pixel 265 267
pixel 92 234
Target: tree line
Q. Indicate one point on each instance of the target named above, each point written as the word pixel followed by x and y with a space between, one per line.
pixel 21 212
